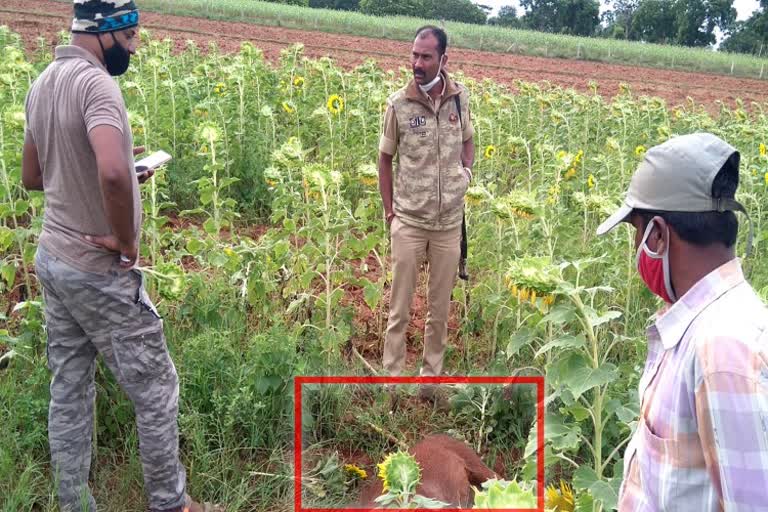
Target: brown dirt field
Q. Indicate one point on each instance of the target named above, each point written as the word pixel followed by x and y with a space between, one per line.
pixel 49 17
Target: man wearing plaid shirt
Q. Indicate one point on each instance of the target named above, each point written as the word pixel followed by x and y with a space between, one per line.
pixel 701 442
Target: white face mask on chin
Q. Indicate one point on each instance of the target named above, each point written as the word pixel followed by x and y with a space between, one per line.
pixel 428 87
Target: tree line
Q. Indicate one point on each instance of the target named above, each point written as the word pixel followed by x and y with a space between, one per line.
pixel 679 22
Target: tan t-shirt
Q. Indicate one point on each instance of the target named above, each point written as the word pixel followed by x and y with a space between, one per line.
pixel 71 97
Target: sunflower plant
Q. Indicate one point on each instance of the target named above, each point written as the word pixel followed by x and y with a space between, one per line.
pixel 518 203
pixel 335 104
pixel 309 206
pixel 213 187
pixel 368 175
pixel 533 279
pixel 476 195
pixel 16 205
pixel 17 246
pixel 505 494
pixel 328 481
pixel 579 352
pixel 400 474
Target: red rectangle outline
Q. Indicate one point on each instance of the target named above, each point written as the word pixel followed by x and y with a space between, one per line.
pixel 537 380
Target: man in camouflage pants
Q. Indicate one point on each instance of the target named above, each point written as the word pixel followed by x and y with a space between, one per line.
pixel 78 149
pixel 427 125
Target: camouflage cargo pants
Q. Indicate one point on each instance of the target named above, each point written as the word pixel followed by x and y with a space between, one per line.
pixel 111 314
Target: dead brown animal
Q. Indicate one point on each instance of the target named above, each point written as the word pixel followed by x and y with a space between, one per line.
pixel 449 470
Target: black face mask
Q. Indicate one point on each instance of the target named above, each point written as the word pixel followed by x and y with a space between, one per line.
pixel 116 58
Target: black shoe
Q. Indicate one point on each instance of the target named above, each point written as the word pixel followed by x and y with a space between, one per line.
pixel 463 275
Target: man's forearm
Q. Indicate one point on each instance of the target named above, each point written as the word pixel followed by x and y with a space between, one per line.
pixel 117 190
pixel 33 183
pixel 116 181
pixel 31 174
pixel 385 182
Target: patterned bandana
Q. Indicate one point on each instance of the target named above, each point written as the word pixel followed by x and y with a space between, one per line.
pixel 104 15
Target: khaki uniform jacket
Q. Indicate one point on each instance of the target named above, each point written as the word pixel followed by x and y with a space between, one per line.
pixel 429 180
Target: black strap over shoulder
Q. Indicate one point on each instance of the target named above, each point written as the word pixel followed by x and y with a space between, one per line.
pixel 464 249
pixel 457 99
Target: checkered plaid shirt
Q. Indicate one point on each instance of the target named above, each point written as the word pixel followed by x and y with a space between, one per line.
pixel 701 442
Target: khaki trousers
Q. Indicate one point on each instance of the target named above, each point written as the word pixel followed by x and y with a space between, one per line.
pixel 412 246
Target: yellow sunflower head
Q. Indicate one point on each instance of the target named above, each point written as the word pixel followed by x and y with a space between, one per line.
pixel 476 194
pixel 612 144
pixel 640 150
pixel 570 173
pixel 766 179
pixel 220 88
pixel 383 474
pixel 553 194
pixel 209 133
pixel 532 279
pixel 355 471
pixel 762 149
pixel 490 151
pixel 369 174
pixel 560 500
pixel 298 81
pixel 591 182
pixel 289 107
pixel 335 104
pixel 271 177
pixel 399 472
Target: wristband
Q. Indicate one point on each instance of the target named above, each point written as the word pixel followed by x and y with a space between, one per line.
pixel 469 172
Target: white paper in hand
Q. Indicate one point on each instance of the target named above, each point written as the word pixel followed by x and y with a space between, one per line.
pixel 154 160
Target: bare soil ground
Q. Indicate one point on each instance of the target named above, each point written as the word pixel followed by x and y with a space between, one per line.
pixel 35 18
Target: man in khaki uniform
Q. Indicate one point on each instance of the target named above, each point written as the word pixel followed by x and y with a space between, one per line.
pixel 427 127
